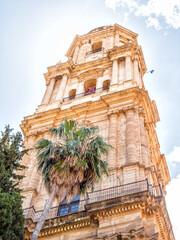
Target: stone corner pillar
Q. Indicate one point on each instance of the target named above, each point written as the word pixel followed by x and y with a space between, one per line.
pixel 99 83
pixel 113 130
pixel 128 63
pixel 48 92
pixel 75 55
pixel 116 39
pixel 114 79
pixel 144 141
pixel 130 137
pixel 80 87
pixel 62 87
pixel 136 72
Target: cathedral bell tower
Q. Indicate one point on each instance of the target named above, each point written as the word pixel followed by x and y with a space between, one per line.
pixel 102 83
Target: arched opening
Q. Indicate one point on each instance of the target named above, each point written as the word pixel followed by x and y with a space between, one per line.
pixel 72 94
pixel 96 47
pixel 90 86
pixel 106 84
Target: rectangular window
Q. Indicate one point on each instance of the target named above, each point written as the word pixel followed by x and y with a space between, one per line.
pixel 65 208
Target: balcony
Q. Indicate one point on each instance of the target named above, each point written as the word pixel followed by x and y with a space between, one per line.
pixel 95 51
pixel 96 197
pixel 90 91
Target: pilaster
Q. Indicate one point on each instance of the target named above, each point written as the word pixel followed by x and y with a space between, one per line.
pixel 136 72
pixel 114 72
pixel 99 83
pixel 49 91
pixel 80 87
pixel 128 68
pixel 130 137
pixel 144 153
pixel 62 86
pixel 121 71
pixel 116 39
pixel 112 158
pixel 76 52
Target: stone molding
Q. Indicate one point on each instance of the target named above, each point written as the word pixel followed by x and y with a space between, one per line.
pixel 146 204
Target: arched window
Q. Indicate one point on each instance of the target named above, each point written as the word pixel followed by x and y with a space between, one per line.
pixel 96 47
pixel 106 84
pixel 90 86
pixel 72 94
pixel 66 208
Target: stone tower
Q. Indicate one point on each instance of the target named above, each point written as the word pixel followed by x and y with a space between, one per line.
pixel 102 82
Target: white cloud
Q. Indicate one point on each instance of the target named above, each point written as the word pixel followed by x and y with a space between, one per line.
pixel 153 22
pixel 173 206
pixel 174 156
pixel 153 10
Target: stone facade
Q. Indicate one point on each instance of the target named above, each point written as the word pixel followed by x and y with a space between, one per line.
pixel 102 83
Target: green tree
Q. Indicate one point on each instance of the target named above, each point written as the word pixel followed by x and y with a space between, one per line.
pixel 11 213
pixel 70 163
pixel 11 216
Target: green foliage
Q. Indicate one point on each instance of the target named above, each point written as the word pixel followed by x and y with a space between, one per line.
pixel 73 148
pixel 11 216
pixel 11 213
pixel 10 153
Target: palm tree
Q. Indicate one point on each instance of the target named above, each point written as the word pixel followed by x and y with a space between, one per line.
pixel 70 163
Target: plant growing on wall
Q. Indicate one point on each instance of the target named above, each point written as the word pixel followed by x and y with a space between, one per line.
pixel 70 163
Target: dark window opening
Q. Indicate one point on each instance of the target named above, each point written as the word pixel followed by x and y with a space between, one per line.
pixel 66 208
pixel 90 87
pixel 106 84
pixel 96 47
pixel 72 94
pixel 91 90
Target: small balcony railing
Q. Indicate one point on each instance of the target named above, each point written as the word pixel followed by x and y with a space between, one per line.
pixel 89 92
pixel 94 197
pixel 95 50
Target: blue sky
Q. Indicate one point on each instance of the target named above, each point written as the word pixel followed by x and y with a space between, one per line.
pixel 37 34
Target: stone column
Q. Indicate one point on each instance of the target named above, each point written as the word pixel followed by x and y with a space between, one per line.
pixel 116 40
pixel 35 175
pixel 111 42
pixel 113 120
pixel 48 92
pixel 62 86
pixel 136 72
pixel 80 87
pixel 121 142
pixel 30 143
pixel 128 68
pixel 75 55
pixel 121 71
pixel 144 150
pixel 114 72
pixel 130 137
pixel 99 83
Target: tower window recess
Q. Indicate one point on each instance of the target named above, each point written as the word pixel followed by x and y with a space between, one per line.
pixel 106 84
pixel 72 94
pixel 66 208
pixel 90 87
pixel 96 47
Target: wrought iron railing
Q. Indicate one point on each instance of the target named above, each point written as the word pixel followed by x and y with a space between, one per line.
pixel 96 90
pixel 95 50
pixel 96 196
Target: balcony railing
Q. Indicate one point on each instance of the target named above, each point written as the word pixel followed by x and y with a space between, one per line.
pixel 94 51
pixel 95 90
pixel 94 197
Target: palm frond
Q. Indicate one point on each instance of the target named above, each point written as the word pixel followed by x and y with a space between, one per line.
pixel 72 161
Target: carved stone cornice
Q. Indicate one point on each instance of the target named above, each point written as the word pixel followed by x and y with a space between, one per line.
pixel 89 74
pixel 145 203
pixel 132 234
